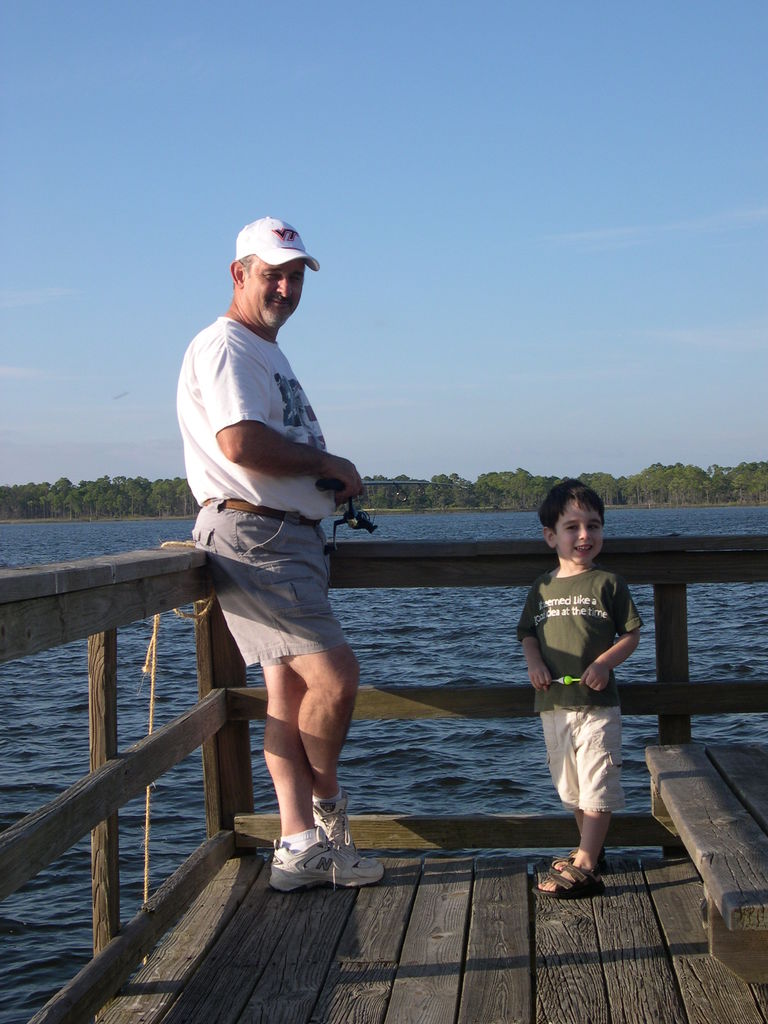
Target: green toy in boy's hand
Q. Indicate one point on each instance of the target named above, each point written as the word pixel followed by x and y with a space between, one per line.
pixel 567 680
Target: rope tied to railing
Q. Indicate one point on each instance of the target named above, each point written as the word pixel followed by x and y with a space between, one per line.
pixel 202 608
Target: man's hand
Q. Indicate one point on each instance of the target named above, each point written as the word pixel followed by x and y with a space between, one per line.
pixel 344 471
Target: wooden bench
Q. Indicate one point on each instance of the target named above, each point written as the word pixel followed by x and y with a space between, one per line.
pixel 715 798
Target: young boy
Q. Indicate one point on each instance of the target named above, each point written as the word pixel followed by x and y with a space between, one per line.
pixel 568 629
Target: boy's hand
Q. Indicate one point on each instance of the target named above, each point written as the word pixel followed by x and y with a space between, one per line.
pixel 540 677
pixel 595 676
pixel 538 672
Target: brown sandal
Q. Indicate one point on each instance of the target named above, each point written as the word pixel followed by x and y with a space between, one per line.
pixel 601 865
pixel 572 883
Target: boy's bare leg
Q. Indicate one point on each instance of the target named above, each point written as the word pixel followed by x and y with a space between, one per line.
pixel 593 828
pixel 311 698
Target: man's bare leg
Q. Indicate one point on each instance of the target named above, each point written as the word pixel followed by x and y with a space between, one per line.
pixel 310 705
pixel 311 698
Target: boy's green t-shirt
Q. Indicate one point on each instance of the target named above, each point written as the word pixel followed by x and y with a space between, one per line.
pixel 575 619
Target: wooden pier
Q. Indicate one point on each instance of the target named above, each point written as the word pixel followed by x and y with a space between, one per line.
pixel 443 939
pixel 454 933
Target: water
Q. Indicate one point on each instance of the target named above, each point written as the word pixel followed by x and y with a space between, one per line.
pixel 409 637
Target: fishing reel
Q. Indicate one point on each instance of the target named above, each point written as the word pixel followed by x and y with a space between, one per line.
pixel 355 517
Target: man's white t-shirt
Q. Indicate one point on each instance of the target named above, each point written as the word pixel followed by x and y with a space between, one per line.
pixel 229 375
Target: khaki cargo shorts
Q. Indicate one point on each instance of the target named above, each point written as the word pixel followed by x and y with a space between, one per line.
pixel 584 756
pixel 271 579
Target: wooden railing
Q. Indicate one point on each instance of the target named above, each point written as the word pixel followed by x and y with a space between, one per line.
pixel 45 606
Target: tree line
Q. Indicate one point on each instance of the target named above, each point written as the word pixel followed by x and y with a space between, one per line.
pixel 122 497
pixel 116 497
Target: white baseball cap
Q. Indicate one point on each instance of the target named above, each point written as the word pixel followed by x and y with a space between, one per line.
pixel 274 242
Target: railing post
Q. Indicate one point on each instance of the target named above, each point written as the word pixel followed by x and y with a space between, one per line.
pixel 227 770
pixel 102 716
pixel 671 620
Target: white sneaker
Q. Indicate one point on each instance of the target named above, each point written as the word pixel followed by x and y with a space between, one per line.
pixel 331 817
pixel 321 864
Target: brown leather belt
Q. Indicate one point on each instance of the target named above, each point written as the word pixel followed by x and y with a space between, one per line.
pixel 261 510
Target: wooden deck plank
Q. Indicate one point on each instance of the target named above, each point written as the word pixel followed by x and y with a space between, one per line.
pixel 150 992
pixel 220 989
pixel 638 976
pixel 359 984
pixel 678 895
pixel 452 941
pixel 379 918
pixel 289 990
pixel 569 977
pixel 428 981
pixel 496 986
pixel 355 993
pixel 710 992
pixel 760 992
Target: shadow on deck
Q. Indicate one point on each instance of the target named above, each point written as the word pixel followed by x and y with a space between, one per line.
pixel 442 939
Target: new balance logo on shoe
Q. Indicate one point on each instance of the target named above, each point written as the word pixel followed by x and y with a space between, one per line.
pixel 321 864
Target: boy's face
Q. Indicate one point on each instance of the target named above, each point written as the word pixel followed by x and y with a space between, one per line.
pixel 577 538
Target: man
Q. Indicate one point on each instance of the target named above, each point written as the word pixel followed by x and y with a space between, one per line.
pixel 254 452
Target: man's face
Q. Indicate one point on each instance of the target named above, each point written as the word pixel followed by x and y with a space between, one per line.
pixel 270 294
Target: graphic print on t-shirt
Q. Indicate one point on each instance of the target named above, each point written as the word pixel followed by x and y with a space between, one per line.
pixel 574 604
pixel 297 412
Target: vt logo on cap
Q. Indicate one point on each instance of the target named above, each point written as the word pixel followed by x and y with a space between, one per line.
pixel 274 242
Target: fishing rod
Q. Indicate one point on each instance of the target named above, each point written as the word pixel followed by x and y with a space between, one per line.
pixel 355 517
pixel 395 483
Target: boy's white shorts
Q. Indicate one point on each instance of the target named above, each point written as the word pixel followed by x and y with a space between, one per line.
pixel 584 756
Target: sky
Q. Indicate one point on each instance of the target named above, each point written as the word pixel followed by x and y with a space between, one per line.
pixel 542 226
